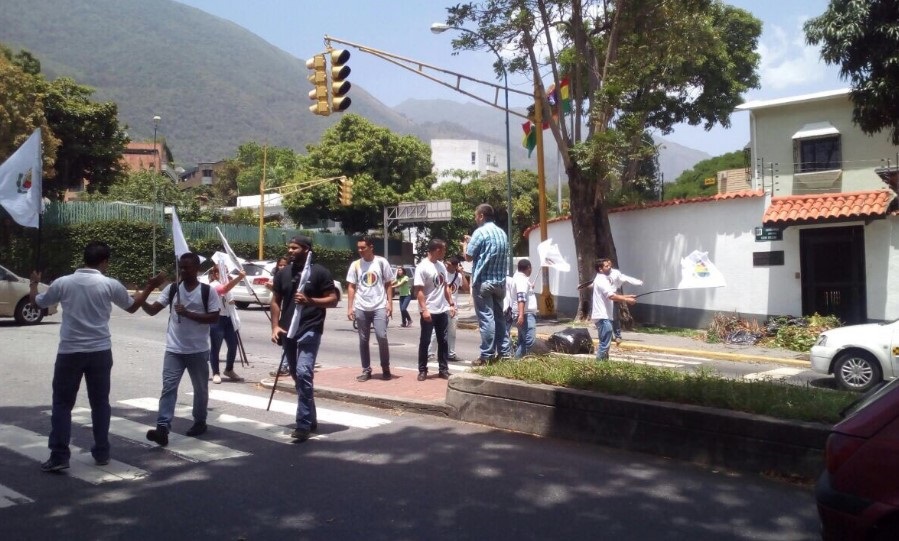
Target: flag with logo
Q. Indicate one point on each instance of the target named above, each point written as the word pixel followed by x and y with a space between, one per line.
pixel 698 271
pixel 20 182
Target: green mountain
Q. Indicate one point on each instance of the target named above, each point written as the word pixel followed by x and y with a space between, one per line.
pixel 214 84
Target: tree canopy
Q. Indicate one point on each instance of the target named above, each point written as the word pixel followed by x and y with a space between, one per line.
pixel 863 39
pixel 691 183
pixel 632 66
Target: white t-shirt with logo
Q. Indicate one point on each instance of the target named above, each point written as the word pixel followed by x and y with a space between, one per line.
pixel 431 277
pixel 371 279
pixel 187 335
pixel 454 281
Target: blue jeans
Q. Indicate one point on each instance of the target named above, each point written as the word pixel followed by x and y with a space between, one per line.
pixel 437 325
pixel 488 305
pixel 222 331
pixel 95 366
pixel 173 367
pixel 300 355
pixel 364 322
pixel 527 334
pixel 604 329
pixel 404 308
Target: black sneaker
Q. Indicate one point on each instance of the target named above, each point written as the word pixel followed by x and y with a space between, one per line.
pixel 443 374
pixel 198 428
pixel 364 376
pixel 385 373
pixel 54 465
pixel 101 461
pixel 158 435
pixel 299 436
pixel 422 376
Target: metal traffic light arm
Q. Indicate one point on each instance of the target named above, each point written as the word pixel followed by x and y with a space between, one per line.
pixel 418 68
pixel 296 187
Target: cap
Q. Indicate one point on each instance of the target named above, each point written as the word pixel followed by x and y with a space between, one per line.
pixel 302 240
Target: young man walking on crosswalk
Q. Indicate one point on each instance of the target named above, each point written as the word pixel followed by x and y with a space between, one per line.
pixel 186 346
pixel 85 348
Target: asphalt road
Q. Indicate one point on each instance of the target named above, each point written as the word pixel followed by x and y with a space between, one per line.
pixel 371 473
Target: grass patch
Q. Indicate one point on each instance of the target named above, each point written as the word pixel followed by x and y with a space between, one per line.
pixel 702 387
pixel 673 331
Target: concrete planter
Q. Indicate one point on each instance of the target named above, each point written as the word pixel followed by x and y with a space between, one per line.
pixel 708 436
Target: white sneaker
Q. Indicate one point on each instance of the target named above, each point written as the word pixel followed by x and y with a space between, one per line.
pixel 216 378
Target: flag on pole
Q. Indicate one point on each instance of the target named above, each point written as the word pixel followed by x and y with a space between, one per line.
pixel 698 271
pixel 178 235
pixel 223 263
pixel 565 95
pixel 235 261
pixel 529 141
pixel 20 182
pixel 551 257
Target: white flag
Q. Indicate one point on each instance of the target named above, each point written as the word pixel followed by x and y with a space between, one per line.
pixel 698 271
pixel 236 262
pixel 178 237
pixel 20 182
pixel 222 261
pixel 551 257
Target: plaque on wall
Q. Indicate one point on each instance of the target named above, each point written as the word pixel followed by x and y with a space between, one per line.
pixel 767 259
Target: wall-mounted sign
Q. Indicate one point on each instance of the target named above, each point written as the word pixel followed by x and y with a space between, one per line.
pixel 763 234
pixel 711 181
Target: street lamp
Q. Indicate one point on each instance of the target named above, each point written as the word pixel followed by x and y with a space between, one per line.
pixel 156 120
pixel 439 28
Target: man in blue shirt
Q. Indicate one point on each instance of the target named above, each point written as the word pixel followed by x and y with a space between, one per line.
pixel 488 250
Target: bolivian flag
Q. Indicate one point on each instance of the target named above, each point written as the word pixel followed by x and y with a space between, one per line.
pixel 529 140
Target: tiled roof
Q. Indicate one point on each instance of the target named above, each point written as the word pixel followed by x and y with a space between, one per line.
pixel 829 207
pixel 659 204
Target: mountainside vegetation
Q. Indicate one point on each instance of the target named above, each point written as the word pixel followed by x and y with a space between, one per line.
pixel 691 183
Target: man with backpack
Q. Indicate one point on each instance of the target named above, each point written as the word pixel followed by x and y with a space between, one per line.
pixel 187 346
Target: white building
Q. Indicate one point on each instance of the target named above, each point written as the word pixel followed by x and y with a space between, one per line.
pixel 451 155
pixel 811 226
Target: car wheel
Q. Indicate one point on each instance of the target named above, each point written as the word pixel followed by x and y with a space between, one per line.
pixel 857 371
pixel 242 305
pixel 27 313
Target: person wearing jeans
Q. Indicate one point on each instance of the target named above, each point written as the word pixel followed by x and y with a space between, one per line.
pixel 85 348
pixel 436 304
pixel 524 308
pixel 225 330
pixel 488 250
pixel 186 346
pixel 603 298
pixel 370 304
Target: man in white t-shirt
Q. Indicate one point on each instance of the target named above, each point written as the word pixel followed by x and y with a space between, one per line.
pixel 436 304
pixel 524 308
pixel 603 296
pixel 618 278
pixel 85 348
pixel 196 307
pixel 369 304
pixel 455 280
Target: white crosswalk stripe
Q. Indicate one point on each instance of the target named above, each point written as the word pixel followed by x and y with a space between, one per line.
pixel 777 373
pixel 9 497
pixel 192 449
pixel 325 415
pixel 33 445
pixel 250 427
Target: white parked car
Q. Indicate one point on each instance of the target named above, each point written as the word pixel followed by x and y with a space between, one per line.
pixel 14 301
pixel 258 275
pixel 859 356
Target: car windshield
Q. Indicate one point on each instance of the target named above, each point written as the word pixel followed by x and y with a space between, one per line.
pixel 869 398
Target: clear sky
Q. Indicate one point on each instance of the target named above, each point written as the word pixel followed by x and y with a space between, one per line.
pixel 788 67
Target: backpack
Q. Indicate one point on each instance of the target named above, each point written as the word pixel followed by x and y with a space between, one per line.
pixel 204 292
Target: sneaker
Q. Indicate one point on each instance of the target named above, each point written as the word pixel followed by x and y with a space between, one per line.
pixel 279 373
pixel 618 340
pixel 364 376
pixel 54 465
pixel 216 378
pixel 385 373
pixel 432 358
pixel 232 376
pixel 158 435
pixel 299 436
pixel 198 428
pixel 452 359
pixel 443 374
pixel 479 362
pixel 101 461
pixel 422 376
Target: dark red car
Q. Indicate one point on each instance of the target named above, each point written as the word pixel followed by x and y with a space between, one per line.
pixel 858 493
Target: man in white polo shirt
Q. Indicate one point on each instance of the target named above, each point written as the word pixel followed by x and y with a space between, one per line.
pixel 186 346
pixel 85 348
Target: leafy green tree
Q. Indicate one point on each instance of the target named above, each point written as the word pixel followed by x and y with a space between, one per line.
pixel 633 66
pixel 691 183
pixel 92 142
pixel 385 168
pixel 863 39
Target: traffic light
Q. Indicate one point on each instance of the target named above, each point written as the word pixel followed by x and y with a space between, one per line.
pixel 319 79
pixel 340 87
pixel 346 192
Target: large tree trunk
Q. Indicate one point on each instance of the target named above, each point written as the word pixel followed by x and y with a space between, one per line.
pixel 590 229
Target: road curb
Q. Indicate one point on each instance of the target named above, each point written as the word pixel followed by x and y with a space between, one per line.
pixel 716 355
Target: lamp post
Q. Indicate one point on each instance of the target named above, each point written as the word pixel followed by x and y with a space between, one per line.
pixel 439 28
pixel 156 120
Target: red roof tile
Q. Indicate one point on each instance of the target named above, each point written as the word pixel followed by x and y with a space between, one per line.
pixel 795 209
